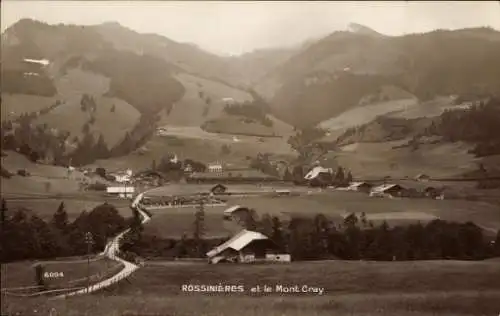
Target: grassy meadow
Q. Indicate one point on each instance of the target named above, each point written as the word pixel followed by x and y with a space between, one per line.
pixel 334 205
pixel 351 288
pixel 22 274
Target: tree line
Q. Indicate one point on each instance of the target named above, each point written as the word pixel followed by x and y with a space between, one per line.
pixel 255 110
pixel 477 124
pixel 26 236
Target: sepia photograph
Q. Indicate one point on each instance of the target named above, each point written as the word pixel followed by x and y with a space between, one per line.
pixel 250 158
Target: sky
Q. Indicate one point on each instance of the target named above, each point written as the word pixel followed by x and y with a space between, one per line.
pixel 236 27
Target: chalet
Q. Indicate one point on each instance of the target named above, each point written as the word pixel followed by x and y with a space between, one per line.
pixel 235 211
pixel 387 190
pixel 245 247
pixel 319 176
pixel 122 176
pixel 360 187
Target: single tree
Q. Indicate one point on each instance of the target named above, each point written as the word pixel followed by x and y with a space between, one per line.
pixel 60 218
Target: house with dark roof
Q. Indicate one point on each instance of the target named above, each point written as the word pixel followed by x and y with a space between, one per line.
pixel 245 247
pixel 218 189
pixel 360 187
pixel 387 190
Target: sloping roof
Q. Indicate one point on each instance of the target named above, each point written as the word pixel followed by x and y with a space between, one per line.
pixel 232 209
pixel 358 184
pixel 238 242
pixel 316 171
pixel 385 187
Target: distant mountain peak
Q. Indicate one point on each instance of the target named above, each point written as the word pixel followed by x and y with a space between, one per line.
pixel 361 29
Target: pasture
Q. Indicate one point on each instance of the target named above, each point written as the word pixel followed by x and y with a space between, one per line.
pixel 14 105
pixel 333 204
pixel 22 274
pixel 173 223
pixel 194 143
pixel 377 160
pixel 351 288
pixel 74 206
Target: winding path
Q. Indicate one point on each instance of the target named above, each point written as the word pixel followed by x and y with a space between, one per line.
pixel 111 251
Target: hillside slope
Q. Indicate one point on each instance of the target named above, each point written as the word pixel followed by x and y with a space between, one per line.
pixel 335 73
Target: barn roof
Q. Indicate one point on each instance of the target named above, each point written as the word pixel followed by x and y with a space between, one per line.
pixel 232 209
pixel 237 242
pixel 316 171
pixel 385 187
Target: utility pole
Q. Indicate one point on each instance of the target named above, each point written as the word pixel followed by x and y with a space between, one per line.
pixel 89 240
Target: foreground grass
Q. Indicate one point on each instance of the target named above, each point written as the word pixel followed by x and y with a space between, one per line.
pixel 22 274
pixel 352 288
pixel 393 304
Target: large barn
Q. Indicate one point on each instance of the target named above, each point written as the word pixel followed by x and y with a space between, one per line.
pixel 247 246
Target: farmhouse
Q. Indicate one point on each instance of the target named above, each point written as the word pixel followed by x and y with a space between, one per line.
pixel 218 189
pixel 319 176
pixel 121 191
pixel 387 190
pixel 122 176
pixel 247 246
pixel 360 187
pixel 235 211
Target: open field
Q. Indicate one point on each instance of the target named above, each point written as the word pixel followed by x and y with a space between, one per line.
pixel 46 207
pixel 194 143
pixel 41 175
pixel 333 204
pixel 351 288
pixel 378 160
pixel 13 105
pixel 69 117
pixel 173 223
pixel 190 109
pixel 22 274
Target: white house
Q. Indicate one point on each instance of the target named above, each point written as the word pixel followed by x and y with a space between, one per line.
pixel 247 246
pixel 121 191
pixel 215 167
pixel 316 171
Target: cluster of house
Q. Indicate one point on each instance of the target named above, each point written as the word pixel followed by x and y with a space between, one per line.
pixel 407 189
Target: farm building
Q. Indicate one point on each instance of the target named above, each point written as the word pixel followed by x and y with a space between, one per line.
pixel 121 191
pixel 319 176
pixel 387 190
pixel 235 211
pixel 360 187
pixel 422 177
pixel 122 176
pixel 247 246
pixel 215 167
pixel 218 189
